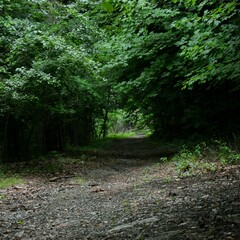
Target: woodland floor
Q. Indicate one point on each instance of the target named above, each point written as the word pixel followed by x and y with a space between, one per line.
pixel 123 193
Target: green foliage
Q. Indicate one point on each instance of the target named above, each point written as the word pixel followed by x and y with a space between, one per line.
pixel 50 82
pixel 176 62
pixel 66 66
pixel 226 154
pixel 164 159
pixel 193 162
pixel 107 6
pixel 204 157
pixel 211 43
pixel 119 122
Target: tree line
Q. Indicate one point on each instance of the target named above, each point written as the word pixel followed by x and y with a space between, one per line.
pixel 65 64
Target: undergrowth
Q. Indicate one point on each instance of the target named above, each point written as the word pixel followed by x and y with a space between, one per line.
pixel 204 158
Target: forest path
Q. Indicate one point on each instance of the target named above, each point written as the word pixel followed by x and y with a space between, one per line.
pixel 127 193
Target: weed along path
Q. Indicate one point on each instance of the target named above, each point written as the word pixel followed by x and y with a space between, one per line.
pixel 126 192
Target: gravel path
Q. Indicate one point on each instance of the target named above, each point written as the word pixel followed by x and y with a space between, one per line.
pixel 124 198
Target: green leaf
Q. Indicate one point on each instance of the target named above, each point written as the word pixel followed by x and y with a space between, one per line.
pixel 107 6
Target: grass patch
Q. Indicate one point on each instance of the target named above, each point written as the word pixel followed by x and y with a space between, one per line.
pixel 121 135
pixel 6 182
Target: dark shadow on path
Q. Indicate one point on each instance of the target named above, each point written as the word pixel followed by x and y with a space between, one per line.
pixel 136 147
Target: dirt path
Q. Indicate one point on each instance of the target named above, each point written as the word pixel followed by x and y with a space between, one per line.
pixel 127 194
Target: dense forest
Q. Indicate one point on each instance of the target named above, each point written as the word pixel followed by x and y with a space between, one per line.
pixel 64 65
